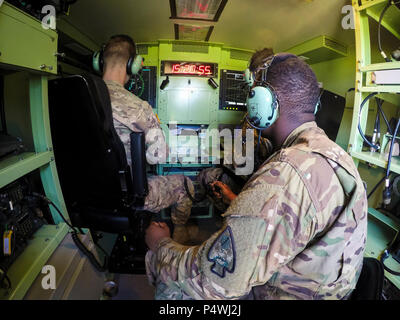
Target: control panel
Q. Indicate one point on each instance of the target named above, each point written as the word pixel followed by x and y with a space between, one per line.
pixel 21 216
pixel 143 85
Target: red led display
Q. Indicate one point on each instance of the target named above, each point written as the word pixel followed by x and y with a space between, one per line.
pixel 189 69
pixel 200 70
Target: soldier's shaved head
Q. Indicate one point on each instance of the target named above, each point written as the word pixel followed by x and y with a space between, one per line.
pixel 294 82
pixel 296 86
pixel 118 50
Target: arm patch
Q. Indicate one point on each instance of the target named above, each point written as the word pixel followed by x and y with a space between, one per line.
pixel 222 253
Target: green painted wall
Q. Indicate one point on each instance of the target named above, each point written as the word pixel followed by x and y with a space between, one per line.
pixel 16 101
pixel 338 76
pixel 197 102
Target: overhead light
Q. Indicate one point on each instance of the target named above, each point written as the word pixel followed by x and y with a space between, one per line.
pixel 195 19
pixel 189 32
pixel 194 22
pixel 197 9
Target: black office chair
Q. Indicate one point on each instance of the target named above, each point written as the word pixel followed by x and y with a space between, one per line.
pixel 99 189
pixel 370 282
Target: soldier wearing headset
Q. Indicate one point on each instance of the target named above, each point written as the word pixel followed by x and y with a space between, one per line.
pixel 117 61
pixel 297 230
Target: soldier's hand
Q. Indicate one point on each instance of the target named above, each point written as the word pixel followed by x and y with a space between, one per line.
pixel 221 190
pixel 154 233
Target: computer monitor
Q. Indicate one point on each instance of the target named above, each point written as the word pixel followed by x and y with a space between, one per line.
pixel 330 114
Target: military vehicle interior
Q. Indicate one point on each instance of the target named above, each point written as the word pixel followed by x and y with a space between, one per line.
pixel 62 201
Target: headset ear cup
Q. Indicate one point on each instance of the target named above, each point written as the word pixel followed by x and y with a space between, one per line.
pixel 97 62
pixel 134 65
pixel 262 107
pixel 317 107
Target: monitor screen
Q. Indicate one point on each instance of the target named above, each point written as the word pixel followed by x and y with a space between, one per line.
pixel 330 114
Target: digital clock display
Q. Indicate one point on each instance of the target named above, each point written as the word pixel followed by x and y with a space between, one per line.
pixel 178 68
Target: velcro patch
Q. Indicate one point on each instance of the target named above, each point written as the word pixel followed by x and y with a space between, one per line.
pixel 223 254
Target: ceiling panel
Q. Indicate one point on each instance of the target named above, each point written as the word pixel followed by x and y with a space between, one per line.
pixel 249 24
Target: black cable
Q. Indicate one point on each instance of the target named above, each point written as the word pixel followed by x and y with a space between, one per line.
pixel 376 187
pixel 75 238
pixel 359 121
pixel 377 130
pixel 384 256
pixel 55 207
pixel 88 253
pixel 391 147
pixel 387 192
pixel 379 102
pixel 390 2
pixel 259 142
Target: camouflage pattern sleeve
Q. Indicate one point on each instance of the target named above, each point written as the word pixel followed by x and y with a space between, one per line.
pixel 265 227
pixel 137 115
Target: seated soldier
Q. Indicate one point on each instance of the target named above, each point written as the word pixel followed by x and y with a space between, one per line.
pixel 214 179
pixel 130 113
pixel 297 230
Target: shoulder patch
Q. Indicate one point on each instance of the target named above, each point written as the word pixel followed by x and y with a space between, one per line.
pixel 223 254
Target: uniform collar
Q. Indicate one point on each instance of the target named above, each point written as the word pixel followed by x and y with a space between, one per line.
pixel 112 82
pixel 296 133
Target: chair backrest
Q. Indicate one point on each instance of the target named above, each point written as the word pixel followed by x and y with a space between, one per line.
pixel 90 157
pixel 370 282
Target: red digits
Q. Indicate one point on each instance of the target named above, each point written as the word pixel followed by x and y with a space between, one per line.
pixel 201 69
pixel 208 70
pixel 175 68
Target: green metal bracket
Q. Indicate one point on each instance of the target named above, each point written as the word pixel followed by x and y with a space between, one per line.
pixel 42 140
pixel 381 228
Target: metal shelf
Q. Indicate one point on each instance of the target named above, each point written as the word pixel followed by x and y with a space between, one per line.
pixel 15 167
pixel 377 159
pixel 380 66
pixel 391 98
pixel 391 20
pixel 373 8
pixel 391 222
pixel 381 89
pixel 381 228
pixel 380 234
pixel 28 265
pixel 41 44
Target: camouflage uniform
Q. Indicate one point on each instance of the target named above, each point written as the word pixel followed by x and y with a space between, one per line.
pixel 130 113
pixel 296 231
